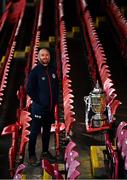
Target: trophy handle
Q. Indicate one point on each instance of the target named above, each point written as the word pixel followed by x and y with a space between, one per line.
pixel 87 100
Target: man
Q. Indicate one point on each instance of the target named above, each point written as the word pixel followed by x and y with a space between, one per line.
pixel 42 87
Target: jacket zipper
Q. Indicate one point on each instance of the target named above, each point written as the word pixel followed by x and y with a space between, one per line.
pixel 50 89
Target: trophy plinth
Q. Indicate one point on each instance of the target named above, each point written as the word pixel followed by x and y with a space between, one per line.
pixel 98 120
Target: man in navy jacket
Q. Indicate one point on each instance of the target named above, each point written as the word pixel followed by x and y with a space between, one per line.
pixel 42 88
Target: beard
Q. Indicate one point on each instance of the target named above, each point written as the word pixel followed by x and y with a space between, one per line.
pixel 45 63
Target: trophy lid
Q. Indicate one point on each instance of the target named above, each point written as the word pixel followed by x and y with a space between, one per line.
pixel 97 89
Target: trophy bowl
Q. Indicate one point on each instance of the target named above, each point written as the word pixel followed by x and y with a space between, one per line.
pixel 98 103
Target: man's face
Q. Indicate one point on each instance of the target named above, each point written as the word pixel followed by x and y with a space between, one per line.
pixel 44 57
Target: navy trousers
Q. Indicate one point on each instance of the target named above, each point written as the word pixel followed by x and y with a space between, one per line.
pixel 44 121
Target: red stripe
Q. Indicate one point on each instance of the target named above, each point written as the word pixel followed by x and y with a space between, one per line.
pixel 50 89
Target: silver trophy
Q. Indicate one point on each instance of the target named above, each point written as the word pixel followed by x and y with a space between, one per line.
pixel 96 102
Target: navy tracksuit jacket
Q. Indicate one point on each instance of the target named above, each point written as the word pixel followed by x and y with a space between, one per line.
pixel 42 87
